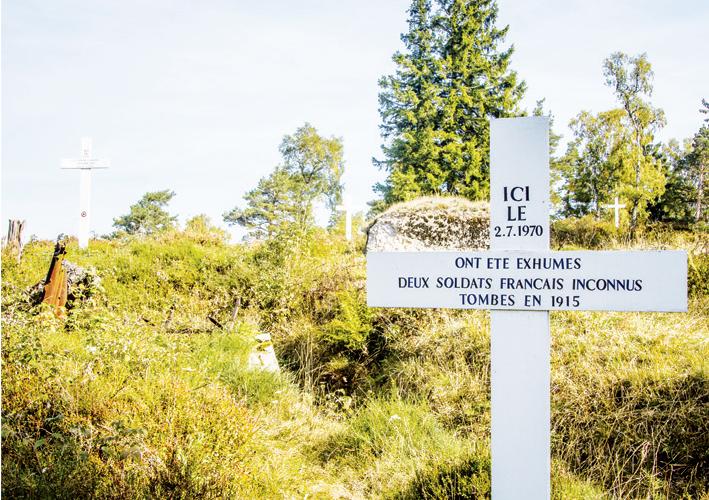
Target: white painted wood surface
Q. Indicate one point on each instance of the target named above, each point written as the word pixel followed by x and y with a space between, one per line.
pixel 84 208
pixel 346 208
pixel 616 209
pixel 604 280
pixel 519 341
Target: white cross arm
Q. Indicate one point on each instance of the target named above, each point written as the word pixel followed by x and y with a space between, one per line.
pixel 85 164
pixel 526 280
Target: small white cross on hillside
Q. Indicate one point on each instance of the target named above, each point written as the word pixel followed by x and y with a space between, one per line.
pixel 86 164
pixel 520 281
pixel 346 208
pixel 616 207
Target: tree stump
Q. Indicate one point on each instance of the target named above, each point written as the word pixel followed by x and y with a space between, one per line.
pixel 13 241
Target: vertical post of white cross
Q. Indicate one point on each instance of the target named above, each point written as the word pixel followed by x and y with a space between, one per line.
pixel 86 164
pixel 345 207
pixel 616 208
pixel 520 340
pixel 85 196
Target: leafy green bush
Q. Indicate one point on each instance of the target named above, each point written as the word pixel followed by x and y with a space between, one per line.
pixel 116 403
pixel 469 479
pixel 115 412
pixel 352 323
pixel 583 232
pixel 698 275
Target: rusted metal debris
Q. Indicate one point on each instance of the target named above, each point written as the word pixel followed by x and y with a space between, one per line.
pixel 56 287
pixel 215 322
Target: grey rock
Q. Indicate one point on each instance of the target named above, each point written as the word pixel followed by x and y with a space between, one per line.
pixel 263 357
pixel 431 224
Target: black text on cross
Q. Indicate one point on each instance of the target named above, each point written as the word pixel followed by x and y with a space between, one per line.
pixel 413 282
pixel 516 194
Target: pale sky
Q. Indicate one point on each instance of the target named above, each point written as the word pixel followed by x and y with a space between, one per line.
pixel 195 96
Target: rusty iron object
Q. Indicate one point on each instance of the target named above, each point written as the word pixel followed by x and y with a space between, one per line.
pixel 56 287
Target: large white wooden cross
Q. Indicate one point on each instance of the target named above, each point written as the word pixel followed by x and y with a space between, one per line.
pixel 86 164
pixel 520 280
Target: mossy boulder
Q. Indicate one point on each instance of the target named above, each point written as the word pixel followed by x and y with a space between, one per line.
pixel 431 223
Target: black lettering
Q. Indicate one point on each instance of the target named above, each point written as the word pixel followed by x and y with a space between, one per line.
pixel 413 282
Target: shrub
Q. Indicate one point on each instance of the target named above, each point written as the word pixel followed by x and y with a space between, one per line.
pixel 584 232
pixel 698 275
pixel 468 479
pixel 350 327
pixel 138 394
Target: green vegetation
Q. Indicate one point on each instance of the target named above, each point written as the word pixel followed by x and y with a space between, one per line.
pixel 453 76
pixel 283 202
pixel 126 399
pixel 148 216
pixel 145 389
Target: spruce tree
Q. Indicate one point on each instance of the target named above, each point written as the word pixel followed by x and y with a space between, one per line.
pixel 477 85
pixel 409 105
pixel 435 108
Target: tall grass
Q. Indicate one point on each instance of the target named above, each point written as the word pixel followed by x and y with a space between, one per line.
pixel 631 400
pixel 119 402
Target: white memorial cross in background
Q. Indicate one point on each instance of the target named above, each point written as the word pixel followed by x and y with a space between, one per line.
pixel 616 208
pixel 346 208
pixel 86 164
pixel 520 280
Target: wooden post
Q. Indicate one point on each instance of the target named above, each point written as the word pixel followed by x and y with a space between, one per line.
pixel 235 312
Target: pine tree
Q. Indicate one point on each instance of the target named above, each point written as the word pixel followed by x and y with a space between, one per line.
pixel 283 201
pixel 435 109
pixel 148 216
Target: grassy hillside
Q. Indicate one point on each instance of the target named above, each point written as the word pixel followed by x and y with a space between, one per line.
pixel 126 399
